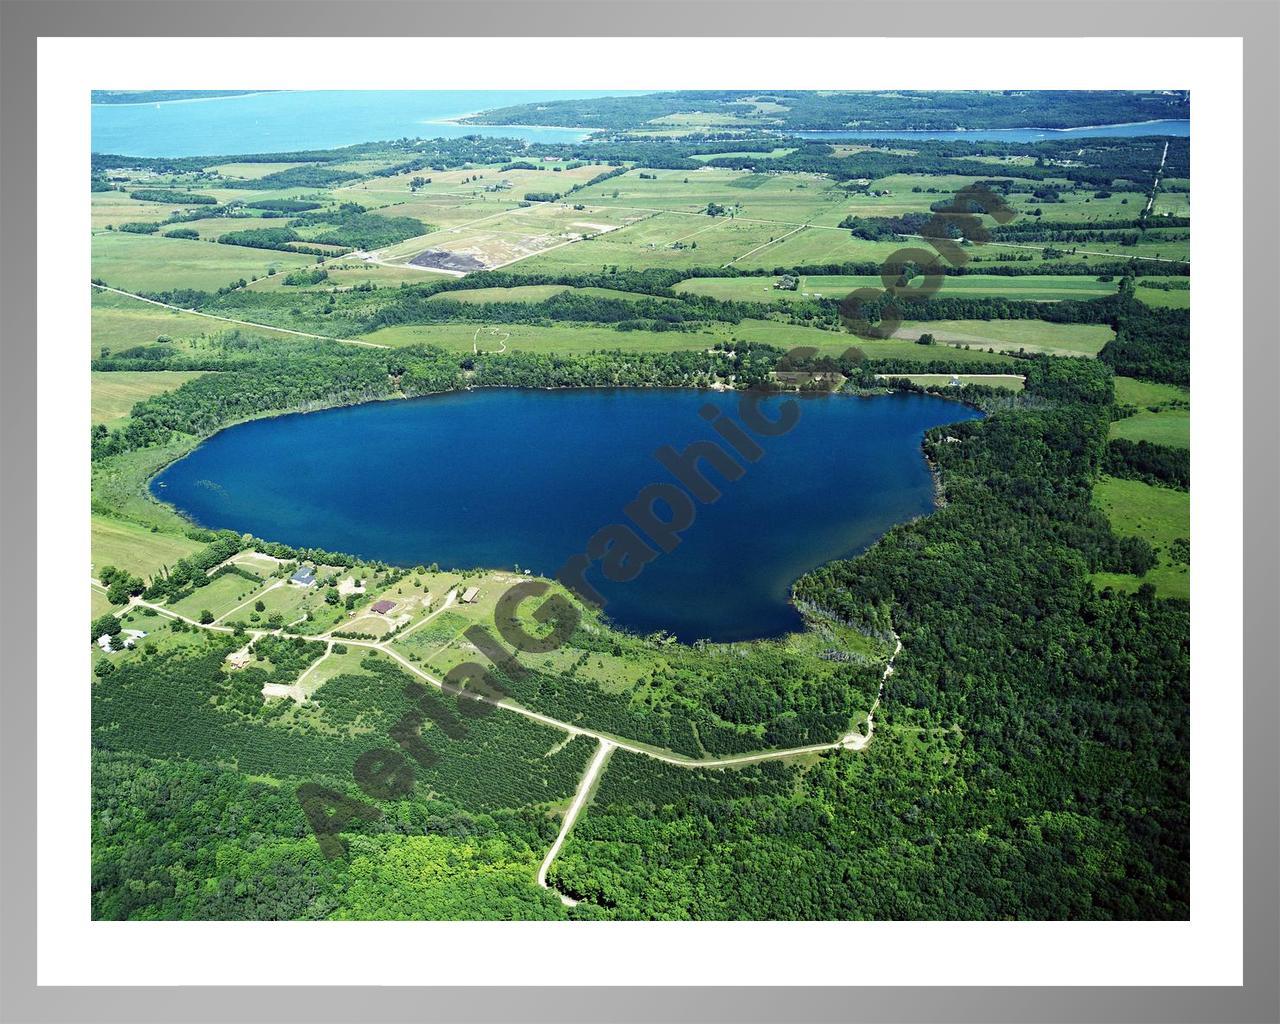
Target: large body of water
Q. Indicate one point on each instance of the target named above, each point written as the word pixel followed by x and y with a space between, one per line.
pixel 283 121
pixel 503 478
pixel 279 122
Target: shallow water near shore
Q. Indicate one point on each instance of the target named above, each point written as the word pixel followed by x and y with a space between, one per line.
pixel 513 477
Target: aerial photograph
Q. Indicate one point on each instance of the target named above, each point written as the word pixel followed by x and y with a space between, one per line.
pixel 610 505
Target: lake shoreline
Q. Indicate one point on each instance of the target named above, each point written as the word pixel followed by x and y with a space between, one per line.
pixel 858 511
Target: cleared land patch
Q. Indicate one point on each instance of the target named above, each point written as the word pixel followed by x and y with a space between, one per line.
pixel 1159 515
pixel 116 393
pixel 150 263
pixel 1163 416
pixel 1034 287
pixel 135 548
pixel 1012 335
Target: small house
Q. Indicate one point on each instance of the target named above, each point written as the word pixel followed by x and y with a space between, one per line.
pixel 382 607
pixel 304 577
pixel 470 594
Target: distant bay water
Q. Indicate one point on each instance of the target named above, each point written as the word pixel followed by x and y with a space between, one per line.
pixel 278 122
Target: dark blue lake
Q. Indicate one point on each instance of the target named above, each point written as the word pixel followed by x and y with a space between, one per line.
pixel 506 477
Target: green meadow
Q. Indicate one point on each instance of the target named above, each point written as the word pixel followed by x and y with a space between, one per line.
pixel 1159 515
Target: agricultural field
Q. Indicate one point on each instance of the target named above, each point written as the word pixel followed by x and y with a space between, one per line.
pixel 1032 287
pixel 1157 292
pixel 1159 515
pixel 115 394
pixel 148 263
pixel 1163 413
pixel 1014 335
pixel 123 544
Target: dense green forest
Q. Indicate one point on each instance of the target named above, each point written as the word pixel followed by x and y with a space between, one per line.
pixel 1060 795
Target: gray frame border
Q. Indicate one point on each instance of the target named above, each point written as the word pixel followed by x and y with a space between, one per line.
pixel 1256 21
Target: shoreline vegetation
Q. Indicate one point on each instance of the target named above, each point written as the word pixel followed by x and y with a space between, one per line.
pixel 1029 758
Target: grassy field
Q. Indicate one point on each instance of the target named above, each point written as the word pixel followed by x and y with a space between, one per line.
pixel 219 596
pixel 1036 287
pixel 1159 515
pixel 1163 417
pixel 120 322
pixel 135 548
pixel 116 393
pixel 254 170
pixel 151 263
pixel 1177 298
pixel 561 338
pixel 1012 335
pixel 521 293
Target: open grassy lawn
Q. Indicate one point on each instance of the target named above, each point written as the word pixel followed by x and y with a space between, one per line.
pixel 151 263
pixel 119 322
pixel 116 393
pixel 1163 417
pixel 219 596
pixel 1172 298
pixel 1176 203
pixel 1159 515
pixel 1012 335
pixel 135 548
pixel 521 293
pixel 345 273
pixel 563 338
pixel 1032 287
pixel 98 603
pixel 116 208
pixel 252 170
pixel 209 228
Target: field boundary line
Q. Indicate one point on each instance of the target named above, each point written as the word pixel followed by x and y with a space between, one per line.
pixel 230 320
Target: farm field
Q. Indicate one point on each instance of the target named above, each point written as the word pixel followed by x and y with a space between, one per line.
pixel 124 544
pixel 116 393
pixel 562 338
pixel 147 263
pixel 1172 298
pixel 1159 515
pixel 1012 335
pixel 1163 416
pixel 1041 288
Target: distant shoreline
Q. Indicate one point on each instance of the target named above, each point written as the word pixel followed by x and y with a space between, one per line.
pixel 193 99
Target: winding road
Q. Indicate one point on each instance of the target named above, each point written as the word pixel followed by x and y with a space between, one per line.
pixel 853 740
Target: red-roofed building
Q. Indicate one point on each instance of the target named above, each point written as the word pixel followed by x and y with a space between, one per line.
pixel 382 607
